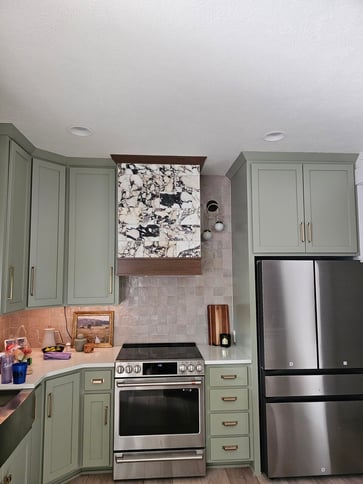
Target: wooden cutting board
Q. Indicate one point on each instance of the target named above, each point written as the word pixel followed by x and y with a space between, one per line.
pixel 218 322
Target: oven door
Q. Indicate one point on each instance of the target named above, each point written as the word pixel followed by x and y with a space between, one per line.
pixel 159 413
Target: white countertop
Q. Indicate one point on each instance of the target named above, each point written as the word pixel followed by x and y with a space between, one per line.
pixel 105 357
pixel 100 357
pixel 216 355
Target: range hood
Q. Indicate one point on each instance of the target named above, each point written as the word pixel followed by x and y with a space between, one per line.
pixel 158 211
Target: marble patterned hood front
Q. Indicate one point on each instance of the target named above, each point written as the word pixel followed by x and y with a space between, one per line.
pixel 158 210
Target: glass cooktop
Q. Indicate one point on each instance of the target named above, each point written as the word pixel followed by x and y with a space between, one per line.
pixel 158 351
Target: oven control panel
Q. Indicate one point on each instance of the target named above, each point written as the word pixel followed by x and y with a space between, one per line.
pixel 163 368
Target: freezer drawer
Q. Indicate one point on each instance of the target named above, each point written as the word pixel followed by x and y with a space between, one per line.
pixel 314 438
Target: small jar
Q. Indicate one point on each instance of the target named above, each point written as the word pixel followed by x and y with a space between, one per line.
pixel 79 342
pixel 225 340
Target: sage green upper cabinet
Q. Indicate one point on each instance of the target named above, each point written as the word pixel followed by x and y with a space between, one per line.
pixel 330 209
pixel 91 257
pixel 15 174
pixel 303 208
pixel 47 234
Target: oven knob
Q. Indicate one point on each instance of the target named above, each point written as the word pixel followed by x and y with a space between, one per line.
pixel 199 368
pixel 191 368
pixel 120 369
pixel 182 368
pixel 128 369
pixel 137 368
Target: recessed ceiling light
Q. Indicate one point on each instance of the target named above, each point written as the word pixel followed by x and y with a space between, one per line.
pixel 80 131
pixel 274 136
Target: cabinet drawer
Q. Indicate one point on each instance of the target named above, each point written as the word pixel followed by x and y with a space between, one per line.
pixel 229 448
pixel 229 423
pixel 97 380
pixel 229 399
pixel 228 376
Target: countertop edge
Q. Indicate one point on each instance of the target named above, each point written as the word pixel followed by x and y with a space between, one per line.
pixel 105 358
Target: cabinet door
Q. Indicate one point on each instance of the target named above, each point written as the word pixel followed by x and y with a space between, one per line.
pixel 17 468
pixel 96 430
pixel 92 214
pixel 47 235
pixel 17 230
pixel 36 454
pixel 277 208
pixel 330 211
pixel 61 427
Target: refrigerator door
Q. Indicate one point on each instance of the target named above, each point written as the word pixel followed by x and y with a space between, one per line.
pixel 287 314
pixel 314 438
pixel 339 300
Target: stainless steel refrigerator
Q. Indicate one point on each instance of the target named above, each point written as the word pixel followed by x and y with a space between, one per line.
pixel 310 339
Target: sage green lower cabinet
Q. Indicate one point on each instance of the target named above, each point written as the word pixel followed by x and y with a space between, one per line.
pixel 228 415
pixel 97 419
pixel 36 461
pixel 16 470
pixel 61 428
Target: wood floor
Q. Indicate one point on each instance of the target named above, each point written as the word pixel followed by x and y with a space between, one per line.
pixel 238 475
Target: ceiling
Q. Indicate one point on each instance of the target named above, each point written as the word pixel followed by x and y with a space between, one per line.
pixel 183 77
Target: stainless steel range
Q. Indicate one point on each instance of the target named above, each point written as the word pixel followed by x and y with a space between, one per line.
pixel 159 428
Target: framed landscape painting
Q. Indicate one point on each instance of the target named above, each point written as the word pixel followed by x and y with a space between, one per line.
pixel 96 326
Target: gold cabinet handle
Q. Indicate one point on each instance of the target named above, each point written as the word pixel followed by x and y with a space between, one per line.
pixel 228 377
pixel 50 405
pixel 110 287
pixel 11 283
pixel 106 415
pixel 32 271
pixel 310 238
pixel 229 399
pixel 230 423
pixel 302 232
pixel 98 381
pixel 230 447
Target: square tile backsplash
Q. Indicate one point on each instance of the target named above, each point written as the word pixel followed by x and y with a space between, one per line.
pixel 164 308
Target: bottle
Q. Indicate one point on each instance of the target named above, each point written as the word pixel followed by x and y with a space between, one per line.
pixel 68 347
pixel 7 368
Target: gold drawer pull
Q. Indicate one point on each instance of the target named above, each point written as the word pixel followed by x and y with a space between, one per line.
pixel 228 377
pixel 98 381
pixel 230 447
pixel 229 399
pixel 230 423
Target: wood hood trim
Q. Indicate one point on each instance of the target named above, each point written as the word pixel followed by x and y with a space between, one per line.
pixel 159 267
pixel 160 159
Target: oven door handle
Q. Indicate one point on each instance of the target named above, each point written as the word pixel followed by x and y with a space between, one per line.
pixel 120 460
pixel 157 384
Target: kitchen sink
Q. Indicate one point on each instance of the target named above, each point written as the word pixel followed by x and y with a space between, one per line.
pixel 17 410
pixel 7 395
